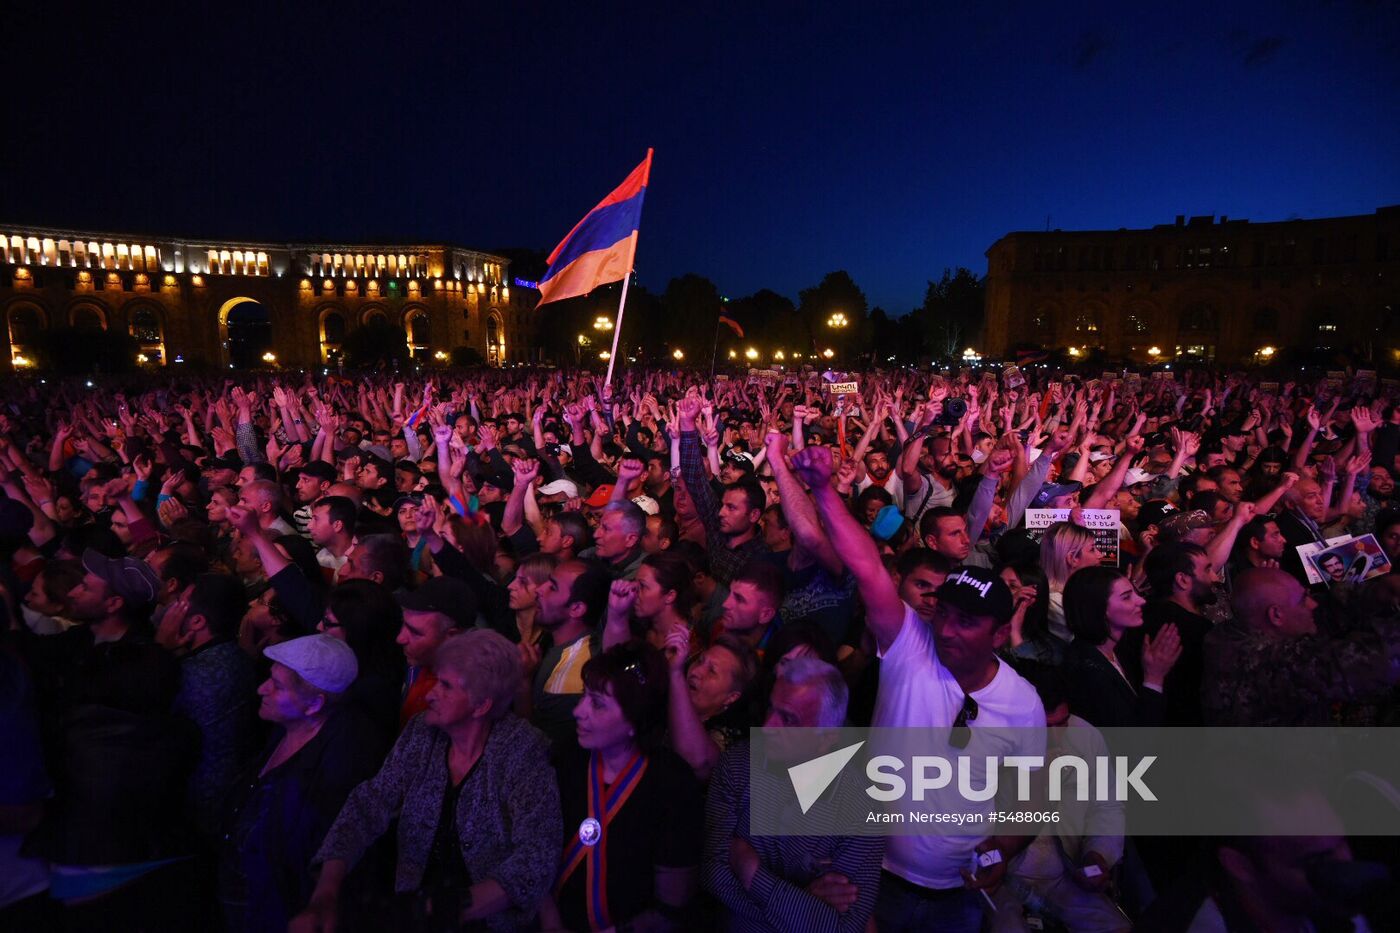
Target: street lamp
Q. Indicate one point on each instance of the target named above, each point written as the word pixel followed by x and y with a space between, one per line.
pixel 837 320
pixel 778 355
pixel 604 355
pixel 1266 352
pixel 751 353
pixel 733 355
pixel 828 353
pixel 269 357
pixel 1154 351
pixel 678 354
pixel 602 323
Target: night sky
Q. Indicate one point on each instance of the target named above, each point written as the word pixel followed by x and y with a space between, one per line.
pixel 889 141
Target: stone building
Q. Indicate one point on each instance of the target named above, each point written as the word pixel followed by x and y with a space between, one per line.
pixel 229 303
pixel 1204 288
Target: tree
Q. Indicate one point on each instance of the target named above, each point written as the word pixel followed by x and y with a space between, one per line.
pixel 952 312
pixel 691 306
pixel 837 293
pixel 769 320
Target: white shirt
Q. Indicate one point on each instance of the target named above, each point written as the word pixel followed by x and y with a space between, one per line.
pixel 893 485
pixel 916 690
pixel 919 500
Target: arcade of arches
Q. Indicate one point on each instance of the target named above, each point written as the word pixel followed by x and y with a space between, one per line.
pixel 238 304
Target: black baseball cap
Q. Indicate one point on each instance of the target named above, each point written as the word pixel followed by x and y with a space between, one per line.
pixel 977 592
pixel 446 595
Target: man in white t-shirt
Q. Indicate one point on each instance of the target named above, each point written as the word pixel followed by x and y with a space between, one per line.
pixel 931 673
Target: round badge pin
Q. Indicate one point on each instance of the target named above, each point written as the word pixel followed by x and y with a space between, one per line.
pixel 590 831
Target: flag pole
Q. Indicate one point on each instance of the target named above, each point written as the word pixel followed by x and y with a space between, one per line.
pixel 617 328
pixel 714 348
pixel 626 280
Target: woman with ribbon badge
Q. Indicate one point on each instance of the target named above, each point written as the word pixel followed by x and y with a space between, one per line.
pixel 632 810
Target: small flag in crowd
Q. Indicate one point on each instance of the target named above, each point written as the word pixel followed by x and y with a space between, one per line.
pixel 602 246
pixel 732 324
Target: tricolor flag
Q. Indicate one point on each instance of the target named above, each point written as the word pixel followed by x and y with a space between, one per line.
pixel 602 246
pixel 732 324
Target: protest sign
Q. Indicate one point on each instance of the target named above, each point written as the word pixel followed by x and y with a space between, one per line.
pixel 1306 552
pixel 1102 522
pixel 843 388
pixel 1351 560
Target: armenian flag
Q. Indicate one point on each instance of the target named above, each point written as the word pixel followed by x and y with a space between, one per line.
pixel 602 246
pixel 732 324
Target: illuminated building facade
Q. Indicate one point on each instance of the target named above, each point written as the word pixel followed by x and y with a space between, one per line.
pixel 1202 289
pixel 225 303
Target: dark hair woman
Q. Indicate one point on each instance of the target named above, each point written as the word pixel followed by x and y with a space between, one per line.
pixel 365 615
pixel 632 810
pixel 1030 624
pixel 665 593
pixel 1101 604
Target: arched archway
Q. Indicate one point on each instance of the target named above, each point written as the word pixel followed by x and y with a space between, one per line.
pixel 245 332
pixel 332 331
pixel 417 328
pixel 144 324
pixel 24 321
pixel 87 318
pixel 495 338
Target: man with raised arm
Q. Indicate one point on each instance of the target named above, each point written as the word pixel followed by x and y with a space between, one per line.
pixel 732 535
pixel 936 674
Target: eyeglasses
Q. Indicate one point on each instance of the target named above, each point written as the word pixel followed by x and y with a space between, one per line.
pixel 961 734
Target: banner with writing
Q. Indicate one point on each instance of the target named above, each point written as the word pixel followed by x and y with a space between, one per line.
pixel 1102 522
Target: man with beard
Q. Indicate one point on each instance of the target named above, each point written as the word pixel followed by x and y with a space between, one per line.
pixel 731 524
pixel 929 472
pixel 571 603
pixel 1260 544
pixel 1182 579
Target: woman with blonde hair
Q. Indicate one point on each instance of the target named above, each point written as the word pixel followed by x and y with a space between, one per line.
pixel 1065 548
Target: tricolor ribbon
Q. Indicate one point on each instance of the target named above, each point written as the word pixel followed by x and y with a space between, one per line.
pixel 603 805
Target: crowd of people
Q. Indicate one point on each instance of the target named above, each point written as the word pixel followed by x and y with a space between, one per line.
pixel 481 650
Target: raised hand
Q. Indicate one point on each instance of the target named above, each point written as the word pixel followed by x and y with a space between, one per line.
pixel 814 466
pixel 171 511
pixel 426 516
pixel 245 520
pixel 1160 655
pixel 629 470
pixel 525 471
pixel 621 598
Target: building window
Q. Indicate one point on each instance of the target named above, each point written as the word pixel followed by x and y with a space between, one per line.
pixel 1086 323
pixel 1198 317
pixel 1135 325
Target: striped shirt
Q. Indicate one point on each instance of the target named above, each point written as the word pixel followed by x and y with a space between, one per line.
pixel 778 898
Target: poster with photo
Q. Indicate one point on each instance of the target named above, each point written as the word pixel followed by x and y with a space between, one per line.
pixel 1351 562
pixel 1306 551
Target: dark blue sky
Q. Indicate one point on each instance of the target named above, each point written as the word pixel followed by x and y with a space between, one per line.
pixel 890 141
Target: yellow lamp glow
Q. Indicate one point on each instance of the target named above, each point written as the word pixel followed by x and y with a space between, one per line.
pixel 269 357
pixel 778 355
pixel 828 353
pixel 604 355
pixel 1154 351
pixel 440 355
pixel 1266 351
pixel 678 354
pixel 751 353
